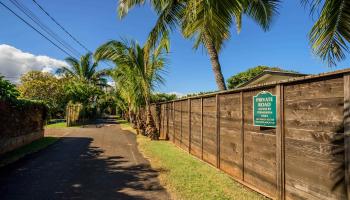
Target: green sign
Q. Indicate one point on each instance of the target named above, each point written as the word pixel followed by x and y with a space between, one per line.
pixel 264 109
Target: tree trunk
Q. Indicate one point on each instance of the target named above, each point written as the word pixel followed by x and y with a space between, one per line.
pixel 214 58
pixel 151 129
pixel 140 124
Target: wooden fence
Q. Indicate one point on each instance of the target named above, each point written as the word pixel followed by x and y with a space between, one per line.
pixel 73 115
pixel 305 157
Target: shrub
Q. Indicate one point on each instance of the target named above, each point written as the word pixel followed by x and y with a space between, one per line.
pixel 240 78
pixel 7 90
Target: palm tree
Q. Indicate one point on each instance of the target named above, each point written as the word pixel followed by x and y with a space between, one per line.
pixel 208 22
pixel 330 34
pixel 83 70
pixel 137 73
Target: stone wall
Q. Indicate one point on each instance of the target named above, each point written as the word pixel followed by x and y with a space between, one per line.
pixel 21 122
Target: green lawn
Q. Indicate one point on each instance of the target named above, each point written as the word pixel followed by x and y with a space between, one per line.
pixel 187 177
pixel 33 147
pixel 57 125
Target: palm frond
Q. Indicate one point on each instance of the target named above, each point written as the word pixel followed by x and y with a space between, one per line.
pixel 168 18
pixel 209 16
pixel 330 35
pixel 125 5
pixel 262 11
pixel 74 64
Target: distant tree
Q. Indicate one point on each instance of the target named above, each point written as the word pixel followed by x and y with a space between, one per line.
pixel 7 90
pixel 197 94
pixel 160 97
pixel 83 92
pixel 36 85
pixel 245 76
pixel 107 102
pixel 83 70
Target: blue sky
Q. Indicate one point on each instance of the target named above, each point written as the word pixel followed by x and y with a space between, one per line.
pixel 93 23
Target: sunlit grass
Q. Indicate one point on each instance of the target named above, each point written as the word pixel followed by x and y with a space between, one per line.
pixel 187 177
pixel 57 125
pixel 125 125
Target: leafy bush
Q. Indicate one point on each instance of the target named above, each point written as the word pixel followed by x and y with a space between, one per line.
pixel 9 96
pixel 82 92
pixel 7 90
pixel 45 87
pixel 198 94
pixel 160 97
pixel 245 76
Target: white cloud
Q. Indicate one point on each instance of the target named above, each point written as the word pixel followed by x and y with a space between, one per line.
pixel 14 62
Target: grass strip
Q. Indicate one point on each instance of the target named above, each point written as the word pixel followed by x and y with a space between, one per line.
pixel 186 177
pixel 189 178
pixel 21 152
pixel 57 125
pixel 125 125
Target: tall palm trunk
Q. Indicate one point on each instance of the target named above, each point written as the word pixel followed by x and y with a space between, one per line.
pixel 140 124
pixel 132 118
pixel 151 129
pixel 214 59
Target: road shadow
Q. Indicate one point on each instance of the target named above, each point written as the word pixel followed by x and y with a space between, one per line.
pixel 99 123
pixel 74 169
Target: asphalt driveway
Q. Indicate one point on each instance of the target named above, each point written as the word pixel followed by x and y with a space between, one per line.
pixel 95 162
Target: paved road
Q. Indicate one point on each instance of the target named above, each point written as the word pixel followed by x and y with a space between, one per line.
pixel 87 163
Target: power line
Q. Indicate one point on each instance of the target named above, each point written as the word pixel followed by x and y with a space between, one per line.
pixel 45 28
pixel 27 23
pixel 58 24
pixel 64 29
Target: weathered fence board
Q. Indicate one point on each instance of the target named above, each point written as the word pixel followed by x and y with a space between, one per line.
pixel 305 157
pixel 196 128
pixel 230 134
pixel 209 133
pixel 313 121
pixel 184 126
pixel 177 122
pixel 259 150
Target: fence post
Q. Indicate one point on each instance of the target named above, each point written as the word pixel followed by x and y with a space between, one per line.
pixel 158 117
pixel 67 116
pixel 174 122
pixel 202 128
pixel 347 133
pixel 217 130
pixel 280 142
pixel 242 134
pixel 167 121
pixel 180 123
pixel 189 126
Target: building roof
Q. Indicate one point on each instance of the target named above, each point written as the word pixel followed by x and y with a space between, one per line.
pixel 267 75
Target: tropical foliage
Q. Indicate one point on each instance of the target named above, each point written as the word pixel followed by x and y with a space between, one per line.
pixel 7 90
pixel 198 93
pixel 245 76
pixel 200 20
pixel 161 97
pixel 137 73
pixel 82 92
pixel 57 92
pixel 36 85
pixel 83 70
pixel 107 102
pixel 9 97
pixel 330 35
